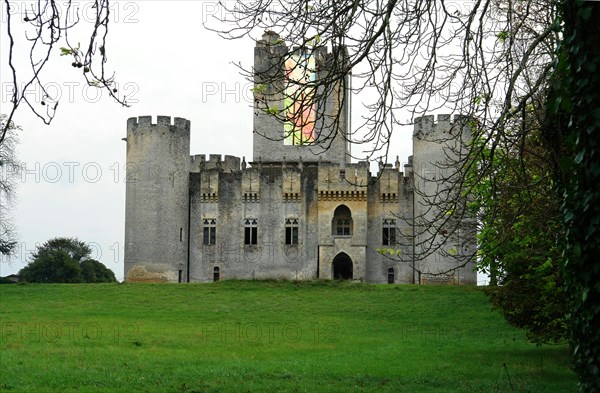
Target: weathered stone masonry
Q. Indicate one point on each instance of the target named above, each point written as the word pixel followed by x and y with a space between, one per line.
pixel 292 212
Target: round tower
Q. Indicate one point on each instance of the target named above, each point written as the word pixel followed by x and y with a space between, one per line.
pixel 157 199
pixel 444 231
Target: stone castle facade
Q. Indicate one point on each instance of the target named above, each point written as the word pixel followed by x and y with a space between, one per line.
pixel 296 211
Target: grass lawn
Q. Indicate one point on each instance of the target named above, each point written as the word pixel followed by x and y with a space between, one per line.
pixel 248 336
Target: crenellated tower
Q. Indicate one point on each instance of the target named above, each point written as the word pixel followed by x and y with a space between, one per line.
pixel 444 233
pixel 282 89
pixel 156 208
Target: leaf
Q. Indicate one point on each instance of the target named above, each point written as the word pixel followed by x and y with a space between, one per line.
pixel 259 89
pixel 502 35
pixel 65 51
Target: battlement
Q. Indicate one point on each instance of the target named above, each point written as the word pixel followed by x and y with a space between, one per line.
pixel 386 168
pixel 424 123
pixel 272 42
pixel 215 161
pixel 445 123
pixel 397 167
pixel 143 123
pixel 343 176
pixel 269 38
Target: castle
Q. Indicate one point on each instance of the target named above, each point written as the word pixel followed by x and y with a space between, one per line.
pixel 297 210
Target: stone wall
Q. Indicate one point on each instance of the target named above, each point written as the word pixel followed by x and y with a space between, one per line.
pixel 156 199
pixel 167 191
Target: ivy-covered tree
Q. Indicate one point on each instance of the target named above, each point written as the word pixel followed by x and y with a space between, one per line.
pixel 573 131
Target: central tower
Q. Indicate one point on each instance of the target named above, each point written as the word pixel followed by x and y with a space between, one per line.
pixel 296 115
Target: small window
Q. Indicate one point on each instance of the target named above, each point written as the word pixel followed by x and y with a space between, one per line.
pixel 343 227
pixel 251 231
pixel 291 231
pixel 391 277
pixel 216 273
pixel 210 232
pixel 389 232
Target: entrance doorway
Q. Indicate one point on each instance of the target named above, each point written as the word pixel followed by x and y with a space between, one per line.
pixel 342 267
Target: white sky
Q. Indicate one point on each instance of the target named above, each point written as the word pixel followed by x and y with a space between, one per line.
pixel 168 64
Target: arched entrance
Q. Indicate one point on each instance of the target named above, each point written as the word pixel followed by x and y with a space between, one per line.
pixel 342 267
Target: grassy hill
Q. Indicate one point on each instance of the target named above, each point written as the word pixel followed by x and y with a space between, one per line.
pixel 238 336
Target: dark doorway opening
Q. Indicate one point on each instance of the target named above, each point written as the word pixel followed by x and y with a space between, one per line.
pixel 342 267
pixel 216 274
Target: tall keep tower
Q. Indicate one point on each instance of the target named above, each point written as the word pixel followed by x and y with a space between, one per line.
pixel 157 199
pixel 283 90
pixel 443 242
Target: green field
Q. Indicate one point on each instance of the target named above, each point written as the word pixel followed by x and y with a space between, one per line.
pixel 244 336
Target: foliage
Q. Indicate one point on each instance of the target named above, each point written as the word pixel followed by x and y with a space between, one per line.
pixel 519 241
pixel 573 129
pixel 93 271
pixel 7 246
pixel 250 336
pixel 52 266
pixel 75 248
pixel 65 260
pixel 509 51
pixel 6 280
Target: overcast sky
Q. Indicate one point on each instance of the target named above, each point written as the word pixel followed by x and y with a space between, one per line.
pixel 168 64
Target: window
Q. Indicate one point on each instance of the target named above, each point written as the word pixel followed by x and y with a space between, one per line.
pixel 250 231
pixel 389 232
pixel 291 231
pixel 343 227
pixel 216 273
pixel 342 221
pixel 210 232
pixel 391 278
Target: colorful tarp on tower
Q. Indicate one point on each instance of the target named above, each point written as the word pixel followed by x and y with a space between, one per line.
pixel 299 108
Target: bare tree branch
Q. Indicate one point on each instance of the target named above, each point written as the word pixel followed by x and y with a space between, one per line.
pixel 487 60
pixel 46 25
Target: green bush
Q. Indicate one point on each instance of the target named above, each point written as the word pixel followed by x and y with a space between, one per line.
pixel 65 260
